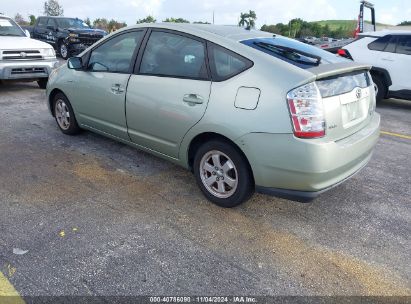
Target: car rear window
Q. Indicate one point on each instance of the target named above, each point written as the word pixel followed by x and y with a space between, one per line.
pixel 345 83
pixel 292 51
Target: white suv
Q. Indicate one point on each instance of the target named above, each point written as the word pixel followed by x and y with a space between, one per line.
pixel 22 57
pixel 389 52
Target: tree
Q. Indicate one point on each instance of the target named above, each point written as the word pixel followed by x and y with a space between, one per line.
pixel 114 25
pixel 248 19
pixel 101 23
pixel 148 19
pixel 295 27
pixel 176 20
pixel 20 19
pixel 271 29
pixel 87 21
pixel 53 8
pixel 32 19
pixel 405 23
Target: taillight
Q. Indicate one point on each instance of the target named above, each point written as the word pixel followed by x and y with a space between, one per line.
pixel 307 113
pixel 344 53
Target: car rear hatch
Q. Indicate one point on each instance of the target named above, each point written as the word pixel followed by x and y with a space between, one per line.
pixel 348 97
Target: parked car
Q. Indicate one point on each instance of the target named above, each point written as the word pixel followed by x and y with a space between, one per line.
pixel 244 110
pixel 389 52
pixel 68 36
pixel 22 57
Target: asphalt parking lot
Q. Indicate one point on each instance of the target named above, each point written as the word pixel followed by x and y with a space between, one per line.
pixel 85 215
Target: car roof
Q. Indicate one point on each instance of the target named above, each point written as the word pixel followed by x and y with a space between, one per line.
pixel 231 32
pixel 385 33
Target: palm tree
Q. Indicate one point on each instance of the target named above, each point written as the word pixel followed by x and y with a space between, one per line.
pixel 248 19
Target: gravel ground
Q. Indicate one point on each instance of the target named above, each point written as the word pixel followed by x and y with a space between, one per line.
pixel 97 217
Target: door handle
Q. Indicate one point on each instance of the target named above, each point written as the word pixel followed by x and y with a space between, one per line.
pixel 117 89
pixel 387 59
pixel 193 99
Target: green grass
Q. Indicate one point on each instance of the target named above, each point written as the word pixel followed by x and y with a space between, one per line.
pixel 345 24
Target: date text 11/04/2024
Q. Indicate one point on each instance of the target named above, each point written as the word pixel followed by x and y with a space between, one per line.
pixel 234 299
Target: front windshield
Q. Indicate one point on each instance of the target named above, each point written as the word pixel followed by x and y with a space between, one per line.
pixel 9 28
pixel 72 23
pixel 293 51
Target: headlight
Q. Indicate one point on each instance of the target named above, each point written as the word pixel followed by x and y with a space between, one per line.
pixel 49 53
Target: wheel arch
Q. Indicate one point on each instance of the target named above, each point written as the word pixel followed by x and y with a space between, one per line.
pixel 201 138
pixel 383 74
pixel 53 94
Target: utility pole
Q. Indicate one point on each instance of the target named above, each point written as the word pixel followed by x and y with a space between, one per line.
pixel 213 17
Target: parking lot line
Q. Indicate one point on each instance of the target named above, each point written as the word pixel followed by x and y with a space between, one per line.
pixel 396 135
pixel 7 292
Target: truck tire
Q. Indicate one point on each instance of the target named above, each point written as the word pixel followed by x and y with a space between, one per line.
pixel 63 50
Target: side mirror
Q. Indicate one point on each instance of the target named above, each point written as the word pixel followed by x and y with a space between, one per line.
pixel 75 63
pixel 27 33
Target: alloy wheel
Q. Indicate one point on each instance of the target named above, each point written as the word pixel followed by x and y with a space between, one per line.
pixel 218 174
pixel 62 114
pixel 63 50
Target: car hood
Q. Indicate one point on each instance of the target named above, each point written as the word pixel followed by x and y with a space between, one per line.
pixel 21 43
pixel 91 32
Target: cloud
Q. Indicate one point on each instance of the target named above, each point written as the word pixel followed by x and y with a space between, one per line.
pixel 226 11
pixel 268 11
pixel 388 16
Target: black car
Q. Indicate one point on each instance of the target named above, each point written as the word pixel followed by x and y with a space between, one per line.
pixel 69 36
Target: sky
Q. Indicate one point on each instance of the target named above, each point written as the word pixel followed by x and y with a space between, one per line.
pixel 226 11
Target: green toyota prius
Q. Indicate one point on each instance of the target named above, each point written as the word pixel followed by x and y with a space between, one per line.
pixel 244 110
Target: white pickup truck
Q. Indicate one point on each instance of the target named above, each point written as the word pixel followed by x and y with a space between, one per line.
pixel 23 58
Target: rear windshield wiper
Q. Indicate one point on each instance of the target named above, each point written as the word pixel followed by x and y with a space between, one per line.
pixel 283 50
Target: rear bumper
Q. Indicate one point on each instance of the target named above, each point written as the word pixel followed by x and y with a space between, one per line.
pixel 27 69
pixel 287 166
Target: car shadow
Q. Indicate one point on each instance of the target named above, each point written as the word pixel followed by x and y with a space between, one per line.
pixel 394 104
pixel 9 85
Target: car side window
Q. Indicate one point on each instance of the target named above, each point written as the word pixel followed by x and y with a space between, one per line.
pixel 404 45
pixel 392 45
pixel 226 64
pixel 51 22
pixel 116 54
pixel 174 55
pixel 42 22
pixel 380 44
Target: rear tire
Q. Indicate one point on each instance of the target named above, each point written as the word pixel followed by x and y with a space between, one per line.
pixel 42 83
pixel 382 88
pixel 64 114
pixel 223 174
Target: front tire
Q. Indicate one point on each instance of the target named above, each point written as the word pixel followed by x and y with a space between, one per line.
pixel 381 87
pixel 223 174
pixel 64 114
pixel 63 50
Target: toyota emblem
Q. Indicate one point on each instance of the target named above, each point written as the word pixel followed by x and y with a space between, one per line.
pixel 23 55
pixel 358 93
